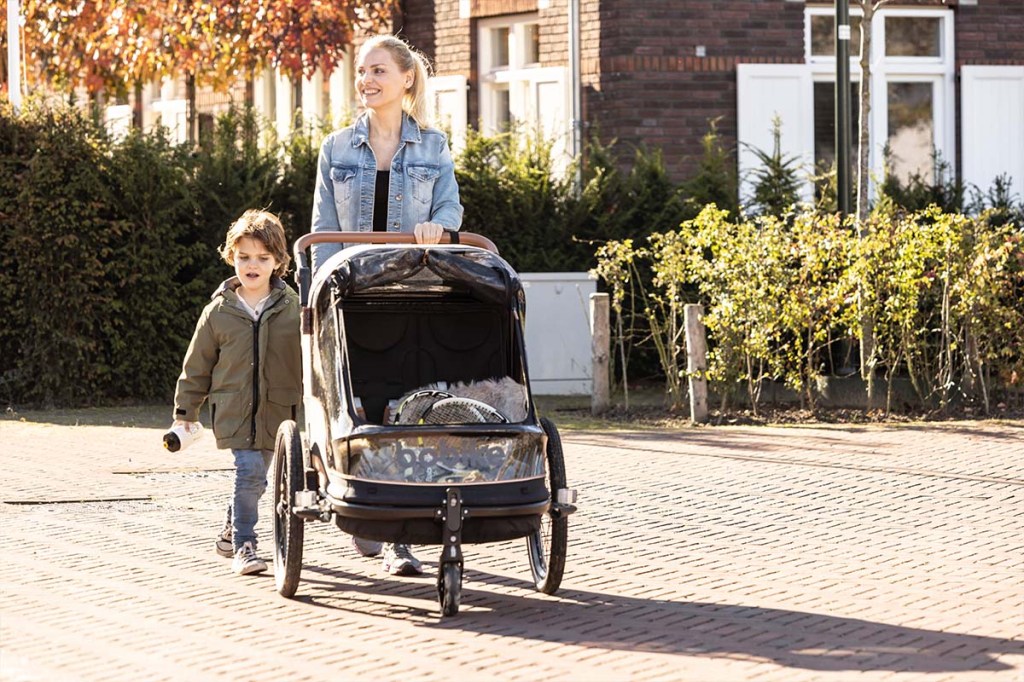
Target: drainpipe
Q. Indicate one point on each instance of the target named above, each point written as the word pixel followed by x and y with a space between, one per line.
pixel 575 87
pixel 14 53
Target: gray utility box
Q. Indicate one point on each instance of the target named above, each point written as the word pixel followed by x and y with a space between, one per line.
pixel 558 331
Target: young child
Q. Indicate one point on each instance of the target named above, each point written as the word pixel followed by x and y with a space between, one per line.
pixel 245 358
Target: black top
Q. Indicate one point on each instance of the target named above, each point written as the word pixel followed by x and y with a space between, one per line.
pixel 380 201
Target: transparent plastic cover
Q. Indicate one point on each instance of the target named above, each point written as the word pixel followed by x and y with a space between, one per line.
pixel 447 458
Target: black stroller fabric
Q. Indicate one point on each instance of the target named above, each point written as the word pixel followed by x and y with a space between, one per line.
pixel 484 275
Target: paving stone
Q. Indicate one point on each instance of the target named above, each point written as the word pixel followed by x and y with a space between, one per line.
pixel 710 554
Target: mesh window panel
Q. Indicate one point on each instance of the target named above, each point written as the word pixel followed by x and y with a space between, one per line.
pixel 462 411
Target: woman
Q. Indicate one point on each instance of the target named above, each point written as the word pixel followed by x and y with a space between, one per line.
pixel 387 172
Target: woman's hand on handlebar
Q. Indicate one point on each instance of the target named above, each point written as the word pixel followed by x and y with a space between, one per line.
pixel 428 233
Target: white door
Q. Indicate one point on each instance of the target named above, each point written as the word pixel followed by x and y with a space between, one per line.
pixel 764 91
pixel 992 125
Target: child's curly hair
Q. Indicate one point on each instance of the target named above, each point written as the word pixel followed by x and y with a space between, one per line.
pixel 264 227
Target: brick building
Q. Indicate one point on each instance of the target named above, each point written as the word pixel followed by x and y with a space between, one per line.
pixel 948 77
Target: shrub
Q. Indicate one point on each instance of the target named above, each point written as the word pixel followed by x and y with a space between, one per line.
pixel 147 324
pixel 776 185
pixel 917 192
pixel 56 238
pixel 511 194
pixel 942 292
pixel 715 180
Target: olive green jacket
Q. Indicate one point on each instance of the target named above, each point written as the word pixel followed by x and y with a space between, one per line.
pixel 250 371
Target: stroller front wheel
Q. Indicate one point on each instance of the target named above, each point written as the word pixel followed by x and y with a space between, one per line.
pixel 449 588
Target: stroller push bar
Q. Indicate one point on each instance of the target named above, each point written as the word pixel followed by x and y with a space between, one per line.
pixel 302 271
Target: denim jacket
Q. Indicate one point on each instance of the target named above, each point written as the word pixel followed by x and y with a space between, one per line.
pixel 423 187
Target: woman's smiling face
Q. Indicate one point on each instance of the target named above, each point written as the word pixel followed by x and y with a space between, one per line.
pixel 379 81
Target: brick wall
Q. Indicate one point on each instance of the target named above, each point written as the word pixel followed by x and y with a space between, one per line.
pixel 643 81
pixel 655 89
pixel 991 32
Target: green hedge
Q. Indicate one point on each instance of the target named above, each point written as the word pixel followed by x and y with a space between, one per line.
pixel 935 295
pixel 109 248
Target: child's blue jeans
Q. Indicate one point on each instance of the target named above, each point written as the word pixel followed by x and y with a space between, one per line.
pixel 251 468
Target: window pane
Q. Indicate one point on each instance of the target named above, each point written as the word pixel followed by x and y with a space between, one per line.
pixel 911 130
pixel 825 123
pixel 532 44
pixel 502 110
pixel 499 47
pixel 913 37
pixel 823 40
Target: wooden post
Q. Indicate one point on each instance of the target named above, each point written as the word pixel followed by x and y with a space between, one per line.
pixel 599 351
pixel 696 361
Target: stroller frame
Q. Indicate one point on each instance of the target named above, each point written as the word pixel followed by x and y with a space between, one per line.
pixel 347 465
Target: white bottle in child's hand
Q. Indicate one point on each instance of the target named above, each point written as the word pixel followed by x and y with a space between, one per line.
pixel 182 435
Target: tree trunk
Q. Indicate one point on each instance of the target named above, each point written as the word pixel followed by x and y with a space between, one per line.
pixel 864 133
pixel 190 103
pixel 137 106
pixel 867 326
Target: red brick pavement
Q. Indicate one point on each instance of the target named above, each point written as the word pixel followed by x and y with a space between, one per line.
pixel 711 554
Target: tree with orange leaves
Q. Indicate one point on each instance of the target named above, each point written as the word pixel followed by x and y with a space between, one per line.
pixel 107 45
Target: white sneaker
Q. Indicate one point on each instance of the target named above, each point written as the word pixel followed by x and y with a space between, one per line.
pixel 246 562
pixel 398 560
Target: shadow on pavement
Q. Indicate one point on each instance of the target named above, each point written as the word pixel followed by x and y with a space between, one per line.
pixel 796 639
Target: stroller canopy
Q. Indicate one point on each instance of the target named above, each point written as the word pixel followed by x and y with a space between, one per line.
pixel 382 270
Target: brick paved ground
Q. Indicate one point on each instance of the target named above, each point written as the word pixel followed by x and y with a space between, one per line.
pixel 826 553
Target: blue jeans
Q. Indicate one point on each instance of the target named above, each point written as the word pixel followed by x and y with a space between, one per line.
pixel 251 468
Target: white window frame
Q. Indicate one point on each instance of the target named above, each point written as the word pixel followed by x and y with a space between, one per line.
pixel 521 78
pixel 829 58
pixel 940 71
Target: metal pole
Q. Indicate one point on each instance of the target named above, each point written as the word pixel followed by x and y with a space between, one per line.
pixel 14 53
pixel 843 106
pixel 576 105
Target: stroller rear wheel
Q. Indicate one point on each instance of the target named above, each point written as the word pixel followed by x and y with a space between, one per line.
pixel 288 528
pixel 547 546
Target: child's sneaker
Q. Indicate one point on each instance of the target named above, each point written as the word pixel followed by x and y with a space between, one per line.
pixel 366 547
pixel 225 543
pixel 246 562
pixel 398 560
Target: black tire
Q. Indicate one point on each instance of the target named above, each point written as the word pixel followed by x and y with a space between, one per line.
pixel 449 588
pixel 547 546
pixel 288 528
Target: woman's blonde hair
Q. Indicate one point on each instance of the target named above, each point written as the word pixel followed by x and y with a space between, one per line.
pixel 415 102
pixel 265 228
